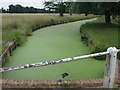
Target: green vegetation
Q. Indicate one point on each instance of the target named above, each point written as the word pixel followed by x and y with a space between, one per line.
pixel 53 43
pixel 19 26
pixel 103 35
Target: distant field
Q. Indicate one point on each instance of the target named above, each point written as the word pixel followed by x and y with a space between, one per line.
pixel 104 35
pixel 19 26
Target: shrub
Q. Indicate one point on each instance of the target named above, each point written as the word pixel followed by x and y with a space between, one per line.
pixel 20 39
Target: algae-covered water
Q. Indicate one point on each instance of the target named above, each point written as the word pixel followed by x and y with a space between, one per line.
pixel 52 43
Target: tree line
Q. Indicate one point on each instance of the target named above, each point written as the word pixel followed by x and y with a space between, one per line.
pixel 97 8
pixel 20 9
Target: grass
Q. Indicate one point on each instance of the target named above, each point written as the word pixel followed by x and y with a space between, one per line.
pixel 103 35
pixel 19 26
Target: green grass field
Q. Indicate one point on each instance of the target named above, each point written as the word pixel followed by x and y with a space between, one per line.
pixel 104 35
pixel 52 43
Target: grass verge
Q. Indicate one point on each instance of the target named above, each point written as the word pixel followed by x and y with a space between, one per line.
pixel 103 35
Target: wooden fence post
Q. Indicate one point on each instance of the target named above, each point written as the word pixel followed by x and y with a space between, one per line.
pixel 110 68
pixel 0 62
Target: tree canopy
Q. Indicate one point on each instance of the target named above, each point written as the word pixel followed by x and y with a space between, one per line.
pixel 58 6
pixel 20 9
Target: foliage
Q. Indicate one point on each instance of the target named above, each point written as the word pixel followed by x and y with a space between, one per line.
pixel 56 6
pixel 19 26
pixel 51 7
pixel 20 9
pixel 59 6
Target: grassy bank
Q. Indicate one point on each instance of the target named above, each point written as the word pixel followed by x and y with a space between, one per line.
pixel 103 35
pixel 19 26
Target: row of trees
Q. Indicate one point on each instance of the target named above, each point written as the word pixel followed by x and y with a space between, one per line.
pixel 21 9
pixel 58 6
pixel 97 8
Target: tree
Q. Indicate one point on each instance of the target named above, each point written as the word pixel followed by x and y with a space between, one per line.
pixel 107 7
pixel 86 8
pixel 110 8
pixel 96 8
pixel 61 8
pixel 3 10
pixel 118 8
pixel 21 9
pixel 11 8
pixel 114 9
pixel 69 7
pixel 83 7
pixel 56 5
pixel 99 8
pixel 107 16
pixel 51 7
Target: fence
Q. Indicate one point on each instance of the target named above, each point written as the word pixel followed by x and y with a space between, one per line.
pixel 8 52
pixel 110 67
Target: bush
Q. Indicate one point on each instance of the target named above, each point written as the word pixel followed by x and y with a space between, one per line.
pixel 20 39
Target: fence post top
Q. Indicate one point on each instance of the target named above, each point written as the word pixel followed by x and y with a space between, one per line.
pixel 112 50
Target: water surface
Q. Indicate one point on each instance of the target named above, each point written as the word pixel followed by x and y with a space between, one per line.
pixel 52 43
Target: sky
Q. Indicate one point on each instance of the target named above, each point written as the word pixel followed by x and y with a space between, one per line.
pixel 39 3
pixel 34 3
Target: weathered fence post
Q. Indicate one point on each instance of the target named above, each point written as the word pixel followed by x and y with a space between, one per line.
pixel 0 62
pixel 110 68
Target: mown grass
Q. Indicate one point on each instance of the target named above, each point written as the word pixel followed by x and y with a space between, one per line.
pixel 103 35
pixel 19 26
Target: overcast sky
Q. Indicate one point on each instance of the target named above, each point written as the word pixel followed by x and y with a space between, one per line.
pixel 39 3
pixel 34 3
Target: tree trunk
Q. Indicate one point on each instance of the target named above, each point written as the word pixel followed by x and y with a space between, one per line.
pixel 86 14
pixel 70 14
pixel 61 9
pixel 114 16
pixel 61 14
pixel 107 16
